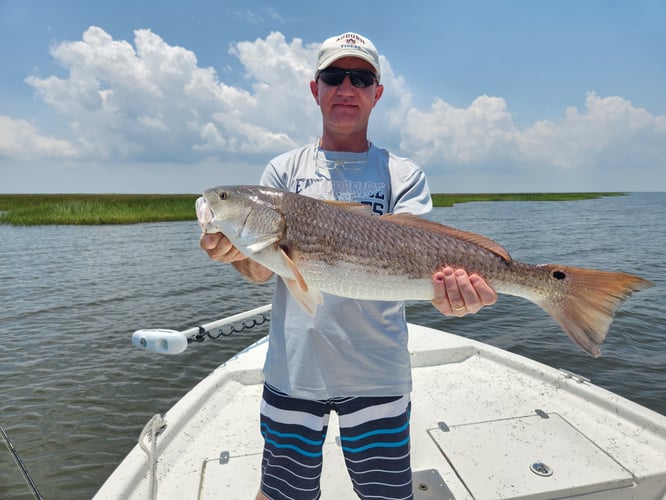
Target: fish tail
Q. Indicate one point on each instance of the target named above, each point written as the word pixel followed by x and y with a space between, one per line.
pixel 586 308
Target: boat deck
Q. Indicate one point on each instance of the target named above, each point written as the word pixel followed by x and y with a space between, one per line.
pixel 486 424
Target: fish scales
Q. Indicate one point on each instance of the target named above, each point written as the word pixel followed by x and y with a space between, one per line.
pixel 325 233
pixel 318 246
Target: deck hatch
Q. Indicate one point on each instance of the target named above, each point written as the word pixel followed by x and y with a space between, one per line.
pixel 495 459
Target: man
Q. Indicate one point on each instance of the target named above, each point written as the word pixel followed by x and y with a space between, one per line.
pixel 351 356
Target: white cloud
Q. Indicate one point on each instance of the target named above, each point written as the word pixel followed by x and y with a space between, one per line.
pixel 151 102
pixel 609 132
pixel 280 73
pixel 156 102
pixel 444 134
pixel 20 140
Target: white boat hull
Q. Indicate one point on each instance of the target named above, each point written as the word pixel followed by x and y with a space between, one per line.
pixel 486 424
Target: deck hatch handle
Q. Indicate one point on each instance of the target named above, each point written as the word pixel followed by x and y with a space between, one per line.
pixel 443 427
pixel 541 469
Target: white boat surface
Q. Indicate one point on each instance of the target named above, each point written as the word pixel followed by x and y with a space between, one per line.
pixel 486 424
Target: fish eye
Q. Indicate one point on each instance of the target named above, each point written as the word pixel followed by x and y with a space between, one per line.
pixel 223 195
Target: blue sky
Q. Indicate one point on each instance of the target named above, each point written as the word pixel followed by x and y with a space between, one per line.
pixel 487 96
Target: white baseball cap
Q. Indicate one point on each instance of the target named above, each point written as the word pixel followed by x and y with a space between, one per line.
pixel 348 45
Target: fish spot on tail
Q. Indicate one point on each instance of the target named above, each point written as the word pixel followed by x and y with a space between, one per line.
pixel 559 275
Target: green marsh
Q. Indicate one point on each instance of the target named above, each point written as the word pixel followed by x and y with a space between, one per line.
pixel 95 209
pixel 448 200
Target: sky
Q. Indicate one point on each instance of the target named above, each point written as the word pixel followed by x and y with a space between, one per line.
pixel 176 97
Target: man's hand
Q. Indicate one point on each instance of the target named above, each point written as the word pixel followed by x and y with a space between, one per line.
pixel 458 294
pixel 218 247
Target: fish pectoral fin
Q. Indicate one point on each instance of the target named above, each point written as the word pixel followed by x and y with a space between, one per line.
pixel 260 244
pixel 477 239
pixel 308 298
pixel 298 277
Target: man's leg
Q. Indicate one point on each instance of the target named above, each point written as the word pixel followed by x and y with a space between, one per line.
pixel 374 433
pixel 294 431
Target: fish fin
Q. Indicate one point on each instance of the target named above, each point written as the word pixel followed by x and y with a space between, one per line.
pixel 587 309
pixel 260 244
pixel 298 277
pixel 350 206
pixel 477 239
pixel 306 297
pixel 308 300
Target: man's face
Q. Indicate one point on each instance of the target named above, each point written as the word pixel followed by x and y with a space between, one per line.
pixel 346 108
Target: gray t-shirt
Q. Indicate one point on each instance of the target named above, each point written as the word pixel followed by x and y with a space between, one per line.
pixel 350 347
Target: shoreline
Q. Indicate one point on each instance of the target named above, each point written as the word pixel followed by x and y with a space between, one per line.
pixel 103 209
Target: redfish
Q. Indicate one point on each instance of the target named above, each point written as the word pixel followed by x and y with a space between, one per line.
pixel 338 248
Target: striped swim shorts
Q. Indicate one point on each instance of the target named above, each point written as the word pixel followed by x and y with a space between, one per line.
pixel 374 435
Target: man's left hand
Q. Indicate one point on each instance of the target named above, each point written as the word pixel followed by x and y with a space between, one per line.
pixel 458 294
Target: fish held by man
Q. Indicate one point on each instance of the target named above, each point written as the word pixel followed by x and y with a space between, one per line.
pixel 339 248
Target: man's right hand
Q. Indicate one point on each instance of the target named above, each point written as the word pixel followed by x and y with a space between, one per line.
pixel 219 247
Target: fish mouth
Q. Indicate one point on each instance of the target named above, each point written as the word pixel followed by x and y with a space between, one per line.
pixel 205 215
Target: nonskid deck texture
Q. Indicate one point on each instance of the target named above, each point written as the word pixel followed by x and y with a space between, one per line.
pixel 486 424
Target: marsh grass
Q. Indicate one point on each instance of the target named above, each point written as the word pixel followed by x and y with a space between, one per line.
pixel 95 209
pixel 448 200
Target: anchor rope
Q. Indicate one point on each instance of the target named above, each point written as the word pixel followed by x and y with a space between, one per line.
pixel 150 431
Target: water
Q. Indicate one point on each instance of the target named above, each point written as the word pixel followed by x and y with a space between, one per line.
pixel 75 394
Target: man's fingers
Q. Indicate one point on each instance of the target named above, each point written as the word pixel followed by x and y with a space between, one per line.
pixel 484 291
pixel 208 241
pixel 219 247
pixel 458 294
pixel 447 296
pixel 440 290
pixel 470 298
pixel 453 281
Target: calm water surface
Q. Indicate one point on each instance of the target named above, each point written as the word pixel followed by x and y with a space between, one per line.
pixel 75 394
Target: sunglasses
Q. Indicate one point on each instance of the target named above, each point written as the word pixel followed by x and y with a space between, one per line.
pixel 360 78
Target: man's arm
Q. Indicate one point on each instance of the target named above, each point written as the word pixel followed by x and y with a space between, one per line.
pixel 218 247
